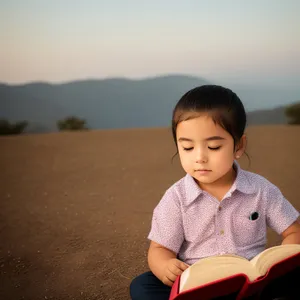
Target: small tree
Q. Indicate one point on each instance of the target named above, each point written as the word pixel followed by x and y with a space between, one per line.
pixel 72 123
pixel 7 128
pixel 293 114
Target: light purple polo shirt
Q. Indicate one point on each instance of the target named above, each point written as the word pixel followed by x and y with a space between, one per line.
pixel 194 224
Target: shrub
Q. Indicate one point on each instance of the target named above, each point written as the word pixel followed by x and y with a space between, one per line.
pixel 293 114
pixel 7 128
pixel 72 123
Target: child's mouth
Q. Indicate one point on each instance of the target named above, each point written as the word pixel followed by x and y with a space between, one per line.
pixel 203 171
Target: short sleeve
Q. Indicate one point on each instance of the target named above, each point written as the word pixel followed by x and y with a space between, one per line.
pixel 280 212
pixel 166 227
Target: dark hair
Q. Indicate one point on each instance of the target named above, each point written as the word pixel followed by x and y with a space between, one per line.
pixel 222 104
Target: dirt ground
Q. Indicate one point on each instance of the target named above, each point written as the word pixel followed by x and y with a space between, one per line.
pixel 75 208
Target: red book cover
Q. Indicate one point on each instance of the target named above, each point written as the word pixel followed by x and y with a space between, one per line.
pixel 238 284
pixel 281 268
pixel 227 286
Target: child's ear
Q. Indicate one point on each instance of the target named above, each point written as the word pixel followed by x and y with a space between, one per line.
pixel 241 147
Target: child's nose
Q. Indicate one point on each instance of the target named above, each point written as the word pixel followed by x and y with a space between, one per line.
pixel 201 157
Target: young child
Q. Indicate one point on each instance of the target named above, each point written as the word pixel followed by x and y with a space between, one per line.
pixel 217 207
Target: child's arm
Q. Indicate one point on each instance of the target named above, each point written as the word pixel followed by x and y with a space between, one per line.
pixel 282 216
pixel 292 234
pixel 164 264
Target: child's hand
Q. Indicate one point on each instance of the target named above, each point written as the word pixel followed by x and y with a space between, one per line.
pixel 173 268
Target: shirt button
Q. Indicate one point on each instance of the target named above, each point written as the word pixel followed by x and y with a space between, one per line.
pixel 220 208
pixel 222 232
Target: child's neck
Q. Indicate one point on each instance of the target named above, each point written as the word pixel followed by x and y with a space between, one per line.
pixel 219 188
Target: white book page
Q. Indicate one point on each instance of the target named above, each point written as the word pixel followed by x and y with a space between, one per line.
pixel 266 259
pixel 215 268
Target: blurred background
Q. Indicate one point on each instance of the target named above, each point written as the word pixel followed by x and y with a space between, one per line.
pixel 121 64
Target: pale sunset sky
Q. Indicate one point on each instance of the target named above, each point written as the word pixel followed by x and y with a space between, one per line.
pixel 64 40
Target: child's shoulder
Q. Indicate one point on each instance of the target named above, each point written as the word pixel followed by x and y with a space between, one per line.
pixel 183 191
pixel 257 178
pixel 178 187
pixel 175 192
pixel 258 181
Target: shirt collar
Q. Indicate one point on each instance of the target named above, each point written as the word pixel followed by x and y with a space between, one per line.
pixel 241 183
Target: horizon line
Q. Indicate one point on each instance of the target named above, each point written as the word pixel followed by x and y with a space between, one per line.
pixel 127 78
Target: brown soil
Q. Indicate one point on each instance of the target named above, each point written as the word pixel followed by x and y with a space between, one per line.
pixel 76 208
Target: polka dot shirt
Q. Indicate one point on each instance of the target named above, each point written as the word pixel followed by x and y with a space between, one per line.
pixel 194 224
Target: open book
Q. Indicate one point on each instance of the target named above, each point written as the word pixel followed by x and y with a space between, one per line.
pixel 237 270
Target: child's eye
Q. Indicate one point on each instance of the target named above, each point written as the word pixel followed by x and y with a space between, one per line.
pixel 188 149
pixel 214 148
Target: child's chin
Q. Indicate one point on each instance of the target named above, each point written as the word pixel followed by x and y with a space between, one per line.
pixel 204 179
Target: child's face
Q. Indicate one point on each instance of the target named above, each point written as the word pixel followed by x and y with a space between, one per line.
pixel 205 149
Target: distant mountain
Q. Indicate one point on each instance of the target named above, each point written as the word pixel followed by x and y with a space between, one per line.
pixel 118 102
pixel 265 117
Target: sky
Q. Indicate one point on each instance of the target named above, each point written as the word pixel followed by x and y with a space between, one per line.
pixel 64 40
